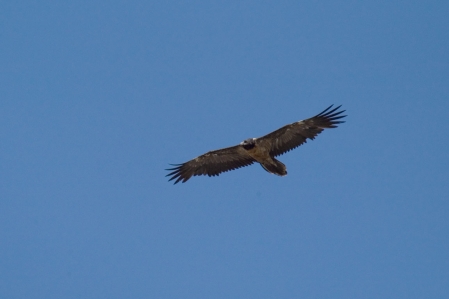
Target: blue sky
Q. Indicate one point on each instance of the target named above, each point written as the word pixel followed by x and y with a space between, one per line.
pixel 97 98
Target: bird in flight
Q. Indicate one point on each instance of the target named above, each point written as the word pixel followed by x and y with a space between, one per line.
pixel 262 150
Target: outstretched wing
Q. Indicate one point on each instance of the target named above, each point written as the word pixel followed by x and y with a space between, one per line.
pixel 295 134
pixel 211 163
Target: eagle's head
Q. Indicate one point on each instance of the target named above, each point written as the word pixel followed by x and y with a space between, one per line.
pixel 248 143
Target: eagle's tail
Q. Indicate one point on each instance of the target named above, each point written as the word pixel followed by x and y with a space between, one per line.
pixel 275 166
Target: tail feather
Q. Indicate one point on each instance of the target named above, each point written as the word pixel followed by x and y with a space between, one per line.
pixel 275 167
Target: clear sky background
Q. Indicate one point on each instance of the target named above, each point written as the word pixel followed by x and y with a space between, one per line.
pixel 98 97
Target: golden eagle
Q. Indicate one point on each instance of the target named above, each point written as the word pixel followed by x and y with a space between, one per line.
pixel 262 150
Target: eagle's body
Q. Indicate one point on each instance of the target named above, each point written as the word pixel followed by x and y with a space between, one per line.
pixel 262 150
pixel 258 149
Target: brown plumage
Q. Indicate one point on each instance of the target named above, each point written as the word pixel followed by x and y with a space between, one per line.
pixel 262 150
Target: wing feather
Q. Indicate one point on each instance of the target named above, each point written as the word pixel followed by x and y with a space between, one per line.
pixel 211 163
pixel 295 134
